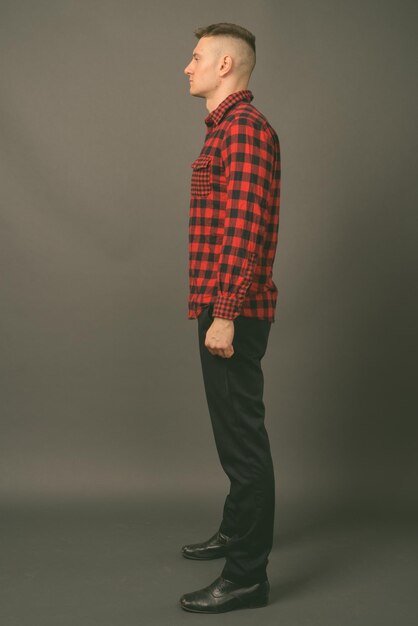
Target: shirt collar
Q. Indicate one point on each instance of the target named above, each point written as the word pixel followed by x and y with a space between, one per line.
pixel 217 114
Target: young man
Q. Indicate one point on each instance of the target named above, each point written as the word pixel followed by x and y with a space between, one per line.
pixel 233 228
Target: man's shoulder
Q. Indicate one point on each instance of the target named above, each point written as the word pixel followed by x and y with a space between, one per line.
pixel 246 113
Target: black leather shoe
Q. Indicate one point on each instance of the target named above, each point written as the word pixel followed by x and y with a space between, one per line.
pixel 223 595
pixel 213 548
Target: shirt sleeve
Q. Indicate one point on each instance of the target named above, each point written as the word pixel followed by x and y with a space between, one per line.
pixel 247 156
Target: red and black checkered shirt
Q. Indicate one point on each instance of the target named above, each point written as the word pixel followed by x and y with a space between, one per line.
pixel 234 213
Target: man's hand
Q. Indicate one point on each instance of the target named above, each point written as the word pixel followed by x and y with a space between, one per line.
pixel 219 337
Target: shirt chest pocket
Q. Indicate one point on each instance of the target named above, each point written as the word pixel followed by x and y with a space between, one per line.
pixel 201 176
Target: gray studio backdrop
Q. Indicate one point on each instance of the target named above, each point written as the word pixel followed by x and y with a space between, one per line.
pixel 101 384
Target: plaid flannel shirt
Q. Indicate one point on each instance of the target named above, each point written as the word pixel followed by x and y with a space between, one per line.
pixel 234 213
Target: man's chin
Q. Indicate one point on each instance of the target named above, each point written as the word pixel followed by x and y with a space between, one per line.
pixel 196 94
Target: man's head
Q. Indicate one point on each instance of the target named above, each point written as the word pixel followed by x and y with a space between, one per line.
pixel 223 60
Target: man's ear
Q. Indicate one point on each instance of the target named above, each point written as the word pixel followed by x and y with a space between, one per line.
pixel 226 63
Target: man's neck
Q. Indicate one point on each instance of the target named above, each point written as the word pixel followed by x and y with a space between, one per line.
pixel 214 101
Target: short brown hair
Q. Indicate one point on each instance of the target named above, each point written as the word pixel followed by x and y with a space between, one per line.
pixel 226 28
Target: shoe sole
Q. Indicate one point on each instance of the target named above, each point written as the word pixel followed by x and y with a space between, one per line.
pixel 203 558
pixel 251 605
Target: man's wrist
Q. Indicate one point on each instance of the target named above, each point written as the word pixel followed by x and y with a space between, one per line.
pixel 226 321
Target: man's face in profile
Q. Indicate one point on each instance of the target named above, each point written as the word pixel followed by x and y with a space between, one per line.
pixel 202 69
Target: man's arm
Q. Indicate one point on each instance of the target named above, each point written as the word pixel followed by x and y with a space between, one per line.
pixel 248 160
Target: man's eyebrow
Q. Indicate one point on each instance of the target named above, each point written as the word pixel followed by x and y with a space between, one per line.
pixel 195 54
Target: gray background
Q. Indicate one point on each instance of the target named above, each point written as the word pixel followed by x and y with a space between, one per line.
pixel 102 399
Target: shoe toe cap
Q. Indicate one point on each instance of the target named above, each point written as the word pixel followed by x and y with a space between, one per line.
pixel 188 601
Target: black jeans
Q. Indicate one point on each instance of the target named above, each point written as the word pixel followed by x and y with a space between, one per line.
pixel 234 393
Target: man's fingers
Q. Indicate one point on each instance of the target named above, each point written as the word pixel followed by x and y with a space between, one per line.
pixel 215 350
pixel 225 354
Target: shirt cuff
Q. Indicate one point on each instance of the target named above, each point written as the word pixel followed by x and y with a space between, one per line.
pixel 228 307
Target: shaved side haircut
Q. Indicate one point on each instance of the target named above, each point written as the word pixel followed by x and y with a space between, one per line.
pixel 243 39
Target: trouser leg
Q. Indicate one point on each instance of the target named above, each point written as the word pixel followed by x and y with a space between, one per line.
pixel 234 393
